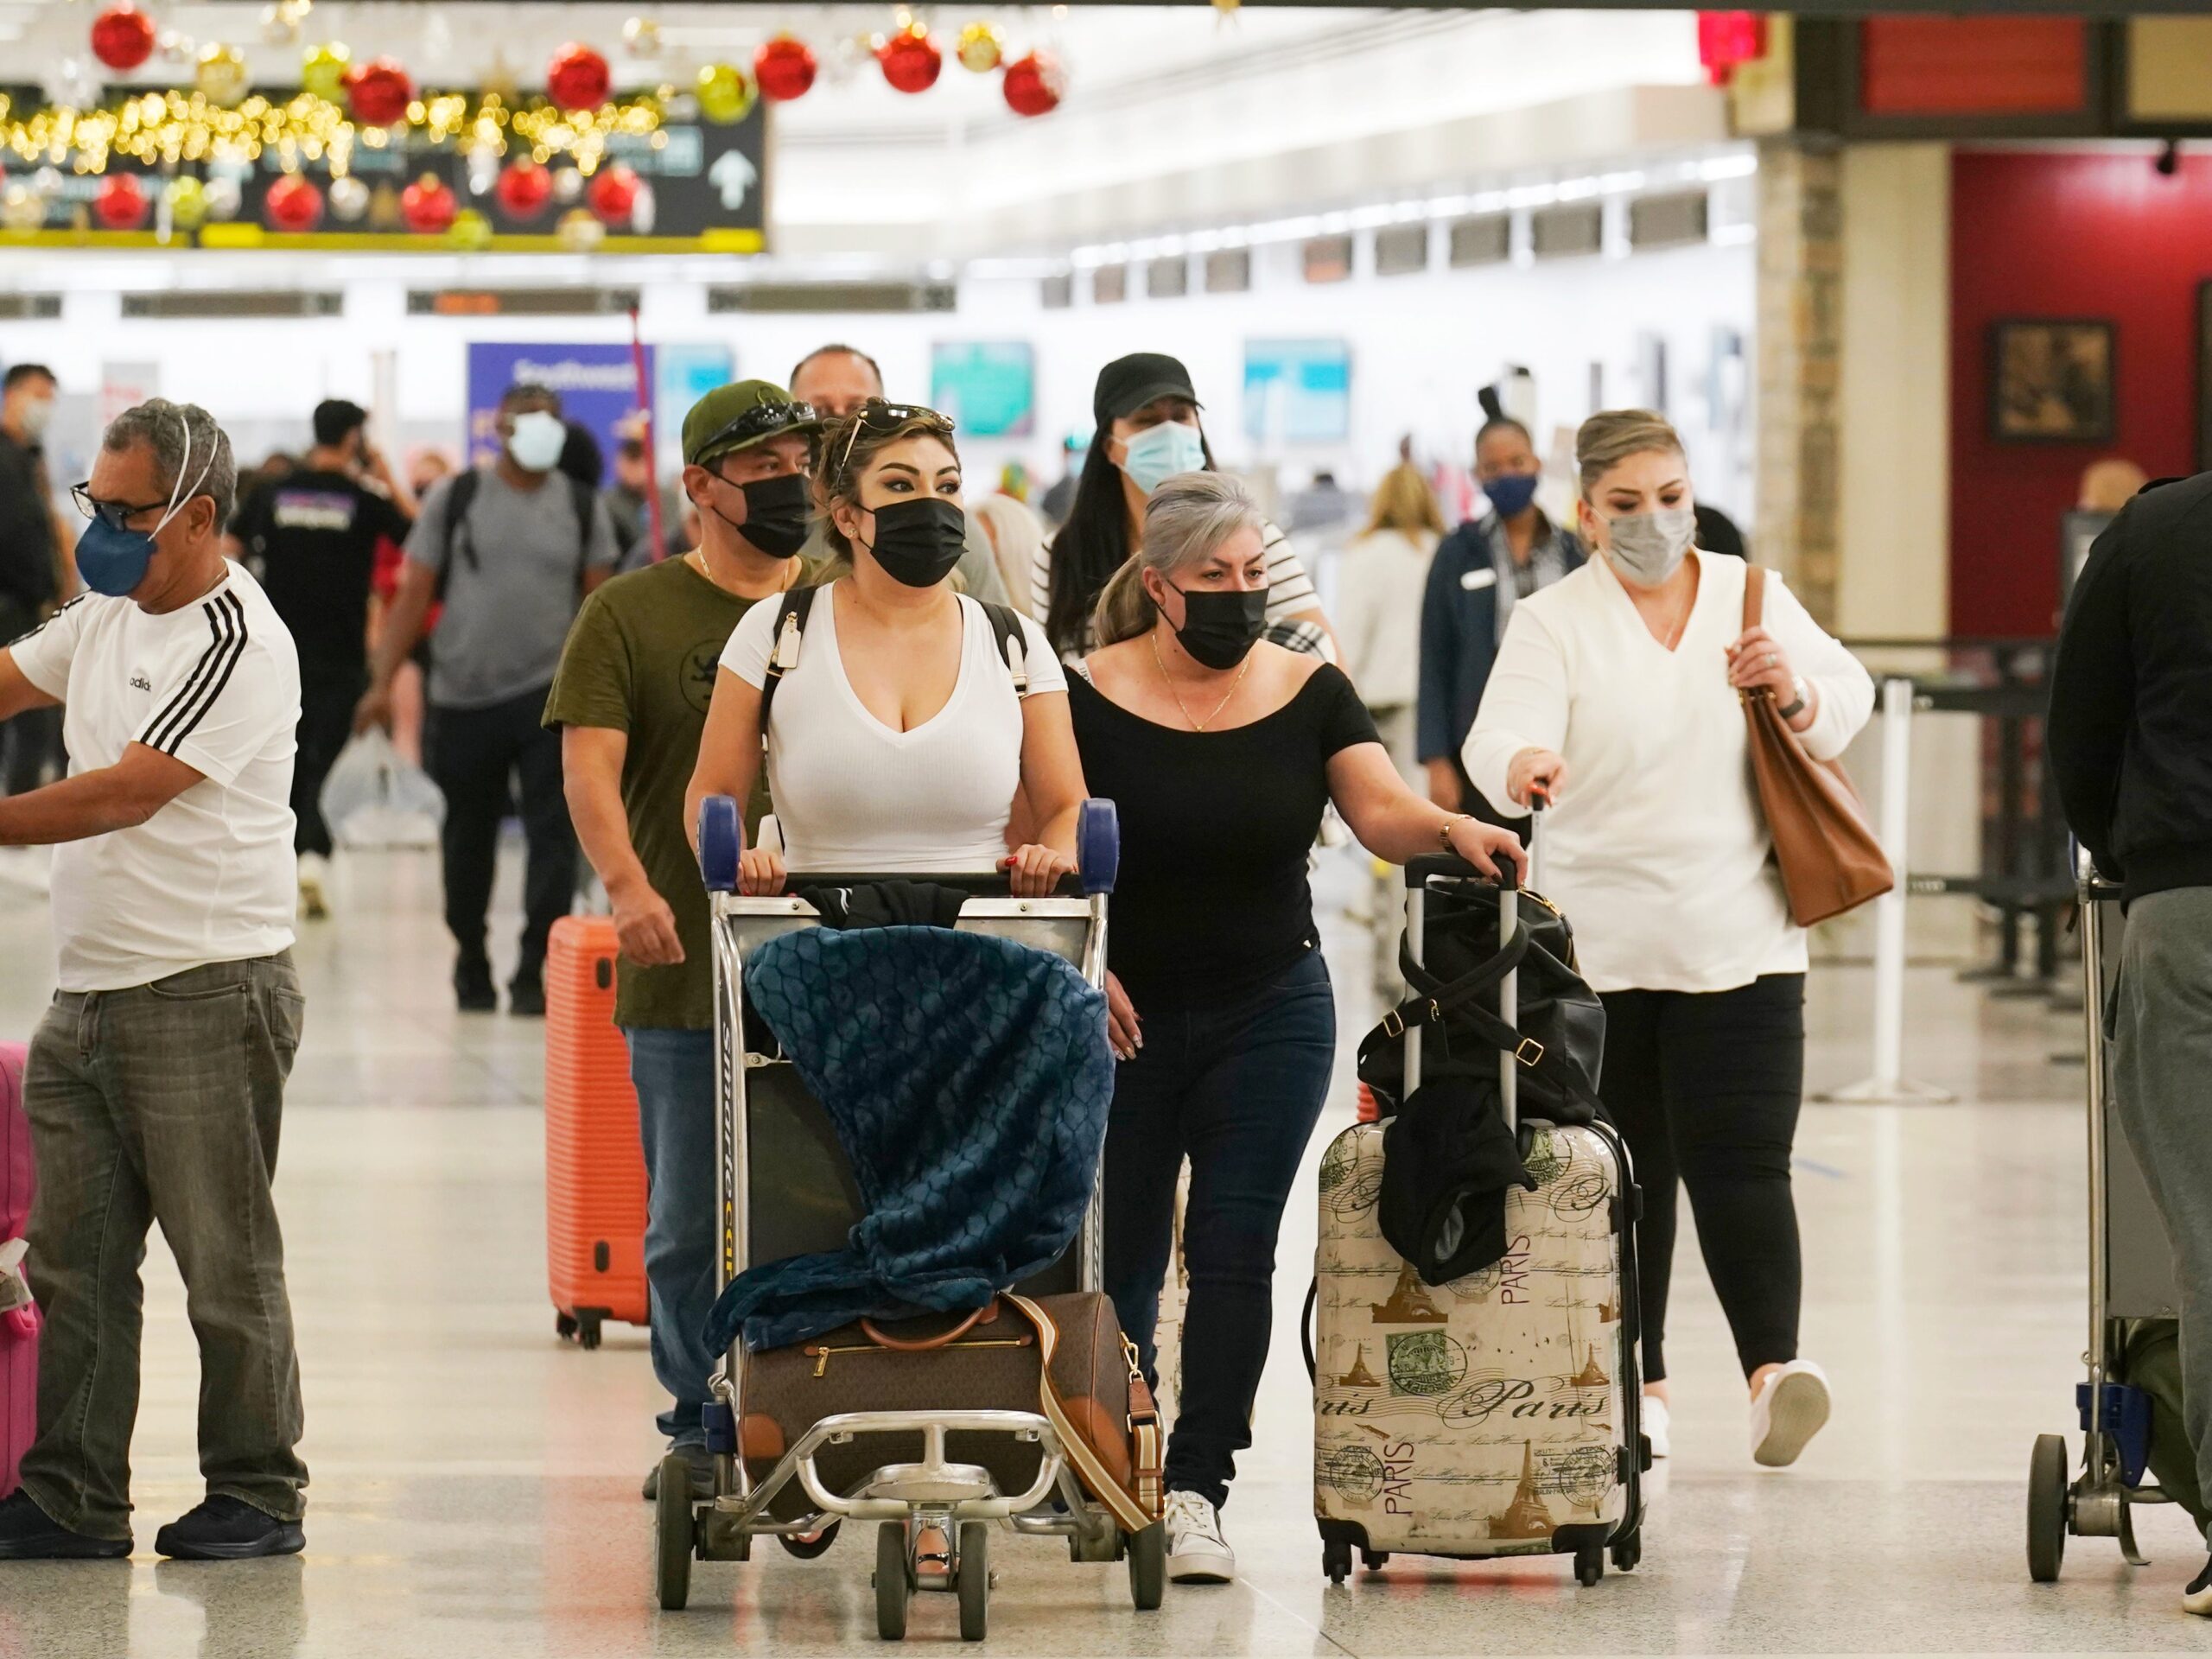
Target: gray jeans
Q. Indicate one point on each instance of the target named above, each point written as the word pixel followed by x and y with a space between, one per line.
pixel 162 1103
pixel 2160 1024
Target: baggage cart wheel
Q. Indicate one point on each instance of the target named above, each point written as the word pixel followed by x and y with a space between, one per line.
pixel 1148 1567
pixel 974 1585
pixel 814 1544
pixel 673 1534
pixel 1374 1559
pixel 1589 1567
pixel 1097 845
pixel 2047 1508
pixel 894 1582
pixel 1336 1560
pixel 721 839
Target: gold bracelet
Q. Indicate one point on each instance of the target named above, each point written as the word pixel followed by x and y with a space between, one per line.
pixel 1443 829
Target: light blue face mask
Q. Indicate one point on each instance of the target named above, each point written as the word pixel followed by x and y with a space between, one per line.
pixel 1162 451
pixel 537 441
pixel 113 560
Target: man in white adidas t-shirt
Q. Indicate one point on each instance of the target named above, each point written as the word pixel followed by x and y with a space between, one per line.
pixel 156 1079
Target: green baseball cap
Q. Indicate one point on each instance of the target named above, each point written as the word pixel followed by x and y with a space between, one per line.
pixel 741 415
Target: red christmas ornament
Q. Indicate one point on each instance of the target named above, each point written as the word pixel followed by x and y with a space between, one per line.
pixel 378 92
pixel 122 37
pixel 1728 39
pixel 1034 84
pixel 614 194
pixel 121 203
pixel 293 204
pixel 911 59
pixel 783 67
pixel 578 78
pixel 429 205
pixel 525 187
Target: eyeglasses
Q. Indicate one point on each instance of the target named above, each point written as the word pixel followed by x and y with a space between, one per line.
pixel 758 422
pixel 877 415
pixel 113 514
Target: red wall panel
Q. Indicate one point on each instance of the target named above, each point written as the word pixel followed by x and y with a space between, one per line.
pixel 1973 65
pixel 2065 235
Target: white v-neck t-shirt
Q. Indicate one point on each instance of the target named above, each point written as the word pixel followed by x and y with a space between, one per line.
pixel 210 877
pixel 1657 850
pixel 853 796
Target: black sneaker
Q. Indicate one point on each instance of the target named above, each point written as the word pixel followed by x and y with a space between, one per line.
pixel 702 1464
pixel 526 996
pixel 226 1529
pixel 2197 1598
pixel 28 1534
pixel 472 989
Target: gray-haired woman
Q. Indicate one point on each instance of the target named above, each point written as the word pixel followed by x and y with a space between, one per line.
pixel 1221 751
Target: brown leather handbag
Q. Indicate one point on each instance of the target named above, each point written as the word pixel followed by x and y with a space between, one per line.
pixel 1062 1357
pixel 1829 858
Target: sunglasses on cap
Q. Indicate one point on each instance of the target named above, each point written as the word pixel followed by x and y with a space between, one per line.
pixel 761 421
pixel 876 415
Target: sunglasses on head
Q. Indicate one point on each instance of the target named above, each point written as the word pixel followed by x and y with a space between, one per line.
pixel 760 420
pixel 877 415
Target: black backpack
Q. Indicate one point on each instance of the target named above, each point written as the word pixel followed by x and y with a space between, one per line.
pixel 790 626
pixel 458 542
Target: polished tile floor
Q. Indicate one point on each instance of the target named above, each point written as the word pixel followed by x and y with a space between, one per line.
pixel 475 1481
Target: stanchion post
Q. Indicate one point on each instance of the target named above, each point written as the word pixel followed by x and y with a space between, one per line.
pixel 1889 1085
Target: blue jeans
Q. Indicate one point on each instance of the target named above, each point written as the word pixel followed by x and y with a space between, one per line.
pixel 1237 1088
pixel 674 1072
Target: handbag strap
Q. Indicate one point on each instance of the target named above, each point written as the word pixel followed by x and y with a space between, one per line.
pixel 1435 1000
pixel 1133 1513
pixel 988 1311
pixel 1754 596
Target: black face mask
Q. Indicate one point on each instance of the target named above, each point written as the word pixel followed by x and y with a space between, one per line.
pixel 919 542
pixel 775 514
pixel 1219 629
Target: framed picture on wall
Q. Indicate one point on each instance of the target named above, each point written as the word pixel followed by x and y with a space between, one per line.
pixel 2050 381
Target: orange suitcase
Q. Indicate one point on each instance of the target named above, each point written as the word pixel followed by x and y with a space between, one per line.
pixel 594 1167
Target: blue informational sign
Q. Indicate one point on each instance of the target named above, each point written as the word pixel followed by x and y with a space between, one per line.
pixel 1297 391
pixel 598 386
pixel 989 388
pixel 683 374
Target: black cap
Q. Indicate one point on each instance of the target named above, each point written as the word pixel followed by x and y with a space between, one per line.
pixel 1127 383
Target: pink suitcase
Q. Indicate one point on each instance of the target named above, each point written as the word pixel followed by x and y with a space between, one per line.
pixel 18 1326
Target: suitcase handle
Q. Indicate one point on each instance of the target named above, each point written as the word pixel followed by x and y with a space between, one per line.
pixel 1418 870
pixel 930 1345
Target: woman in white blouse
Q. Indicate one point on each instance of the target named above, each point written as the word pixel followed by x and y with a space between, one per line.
pixel 898 733
pixel 1615 698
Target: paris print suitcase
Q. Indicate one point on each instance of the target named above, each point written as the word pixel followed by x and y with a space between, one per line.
pixel 594 1166
pixel 1497 1414
pixel 18 1318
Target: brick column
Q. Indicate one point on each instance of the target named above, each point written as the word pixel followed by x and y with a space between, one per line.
pixel 1800 360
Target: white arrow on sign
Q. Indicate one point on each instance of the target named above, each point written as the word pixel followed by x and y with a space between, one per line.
pixel 734 176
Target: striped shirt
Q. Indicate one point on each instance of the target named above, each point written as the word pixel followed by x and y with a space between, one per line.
pixel 209 878
pixel 1290 591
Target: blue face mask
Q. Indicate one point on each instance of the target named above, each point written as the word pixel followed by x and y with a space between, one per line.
pixel 1511 494
pixel 113 560
pixel 1162 451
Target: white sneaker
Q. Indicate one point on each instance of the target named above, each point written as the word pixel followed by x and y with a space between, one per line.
pixel 1656 1425
pixel 2197 1598
pixel 1787 1412
pixel 314 903
pixel 1195 1552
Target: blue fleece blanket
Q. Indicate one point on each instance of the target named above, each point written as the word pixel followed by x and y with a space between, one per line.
pixel 969 1079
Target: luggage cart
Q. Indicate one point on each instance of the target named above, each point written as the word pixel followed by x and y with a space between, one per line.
pixel 2131 1277
pixel 766 1117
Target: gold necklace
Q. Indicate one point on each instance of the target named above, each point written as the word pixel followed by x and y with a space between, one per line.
pixel 696 558
pixel 1196 725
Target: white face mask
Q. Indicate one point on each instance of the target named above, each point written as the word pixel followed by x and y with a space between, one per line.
pixel 537 441
pixel 37 412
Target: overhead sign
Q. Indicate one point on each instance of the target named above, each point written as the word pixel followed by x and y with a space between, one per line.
pixel 597 386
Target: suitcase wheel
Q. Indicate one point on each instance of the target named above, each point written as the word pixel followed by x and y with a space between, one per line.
pixel 564 1326
pixel 813 1544
pixel 1589 1567
pixel 1336 1560
pixel 1629 1552
pixel 1375 1559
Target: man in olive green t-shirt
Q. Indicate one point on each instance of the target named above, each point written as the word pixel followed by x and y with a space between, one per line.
pixel 630 702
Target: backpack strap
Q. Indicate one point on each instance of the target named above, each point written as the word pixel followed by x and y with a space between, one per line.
pixel 1013 643
pixel 459 500
pixel 782 649
pixel 585 499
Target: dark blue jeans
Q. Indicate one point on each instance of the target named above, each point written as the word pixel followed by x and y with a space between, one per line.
pixel 674 1072
pixel 1237 1088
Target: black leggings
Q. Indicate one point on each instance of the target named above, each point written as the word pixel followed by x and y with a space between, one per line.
pixel 1705 1088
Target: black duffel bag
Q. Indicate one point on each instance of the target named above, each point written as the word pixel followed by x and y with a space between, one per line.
pixel 1558 1030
